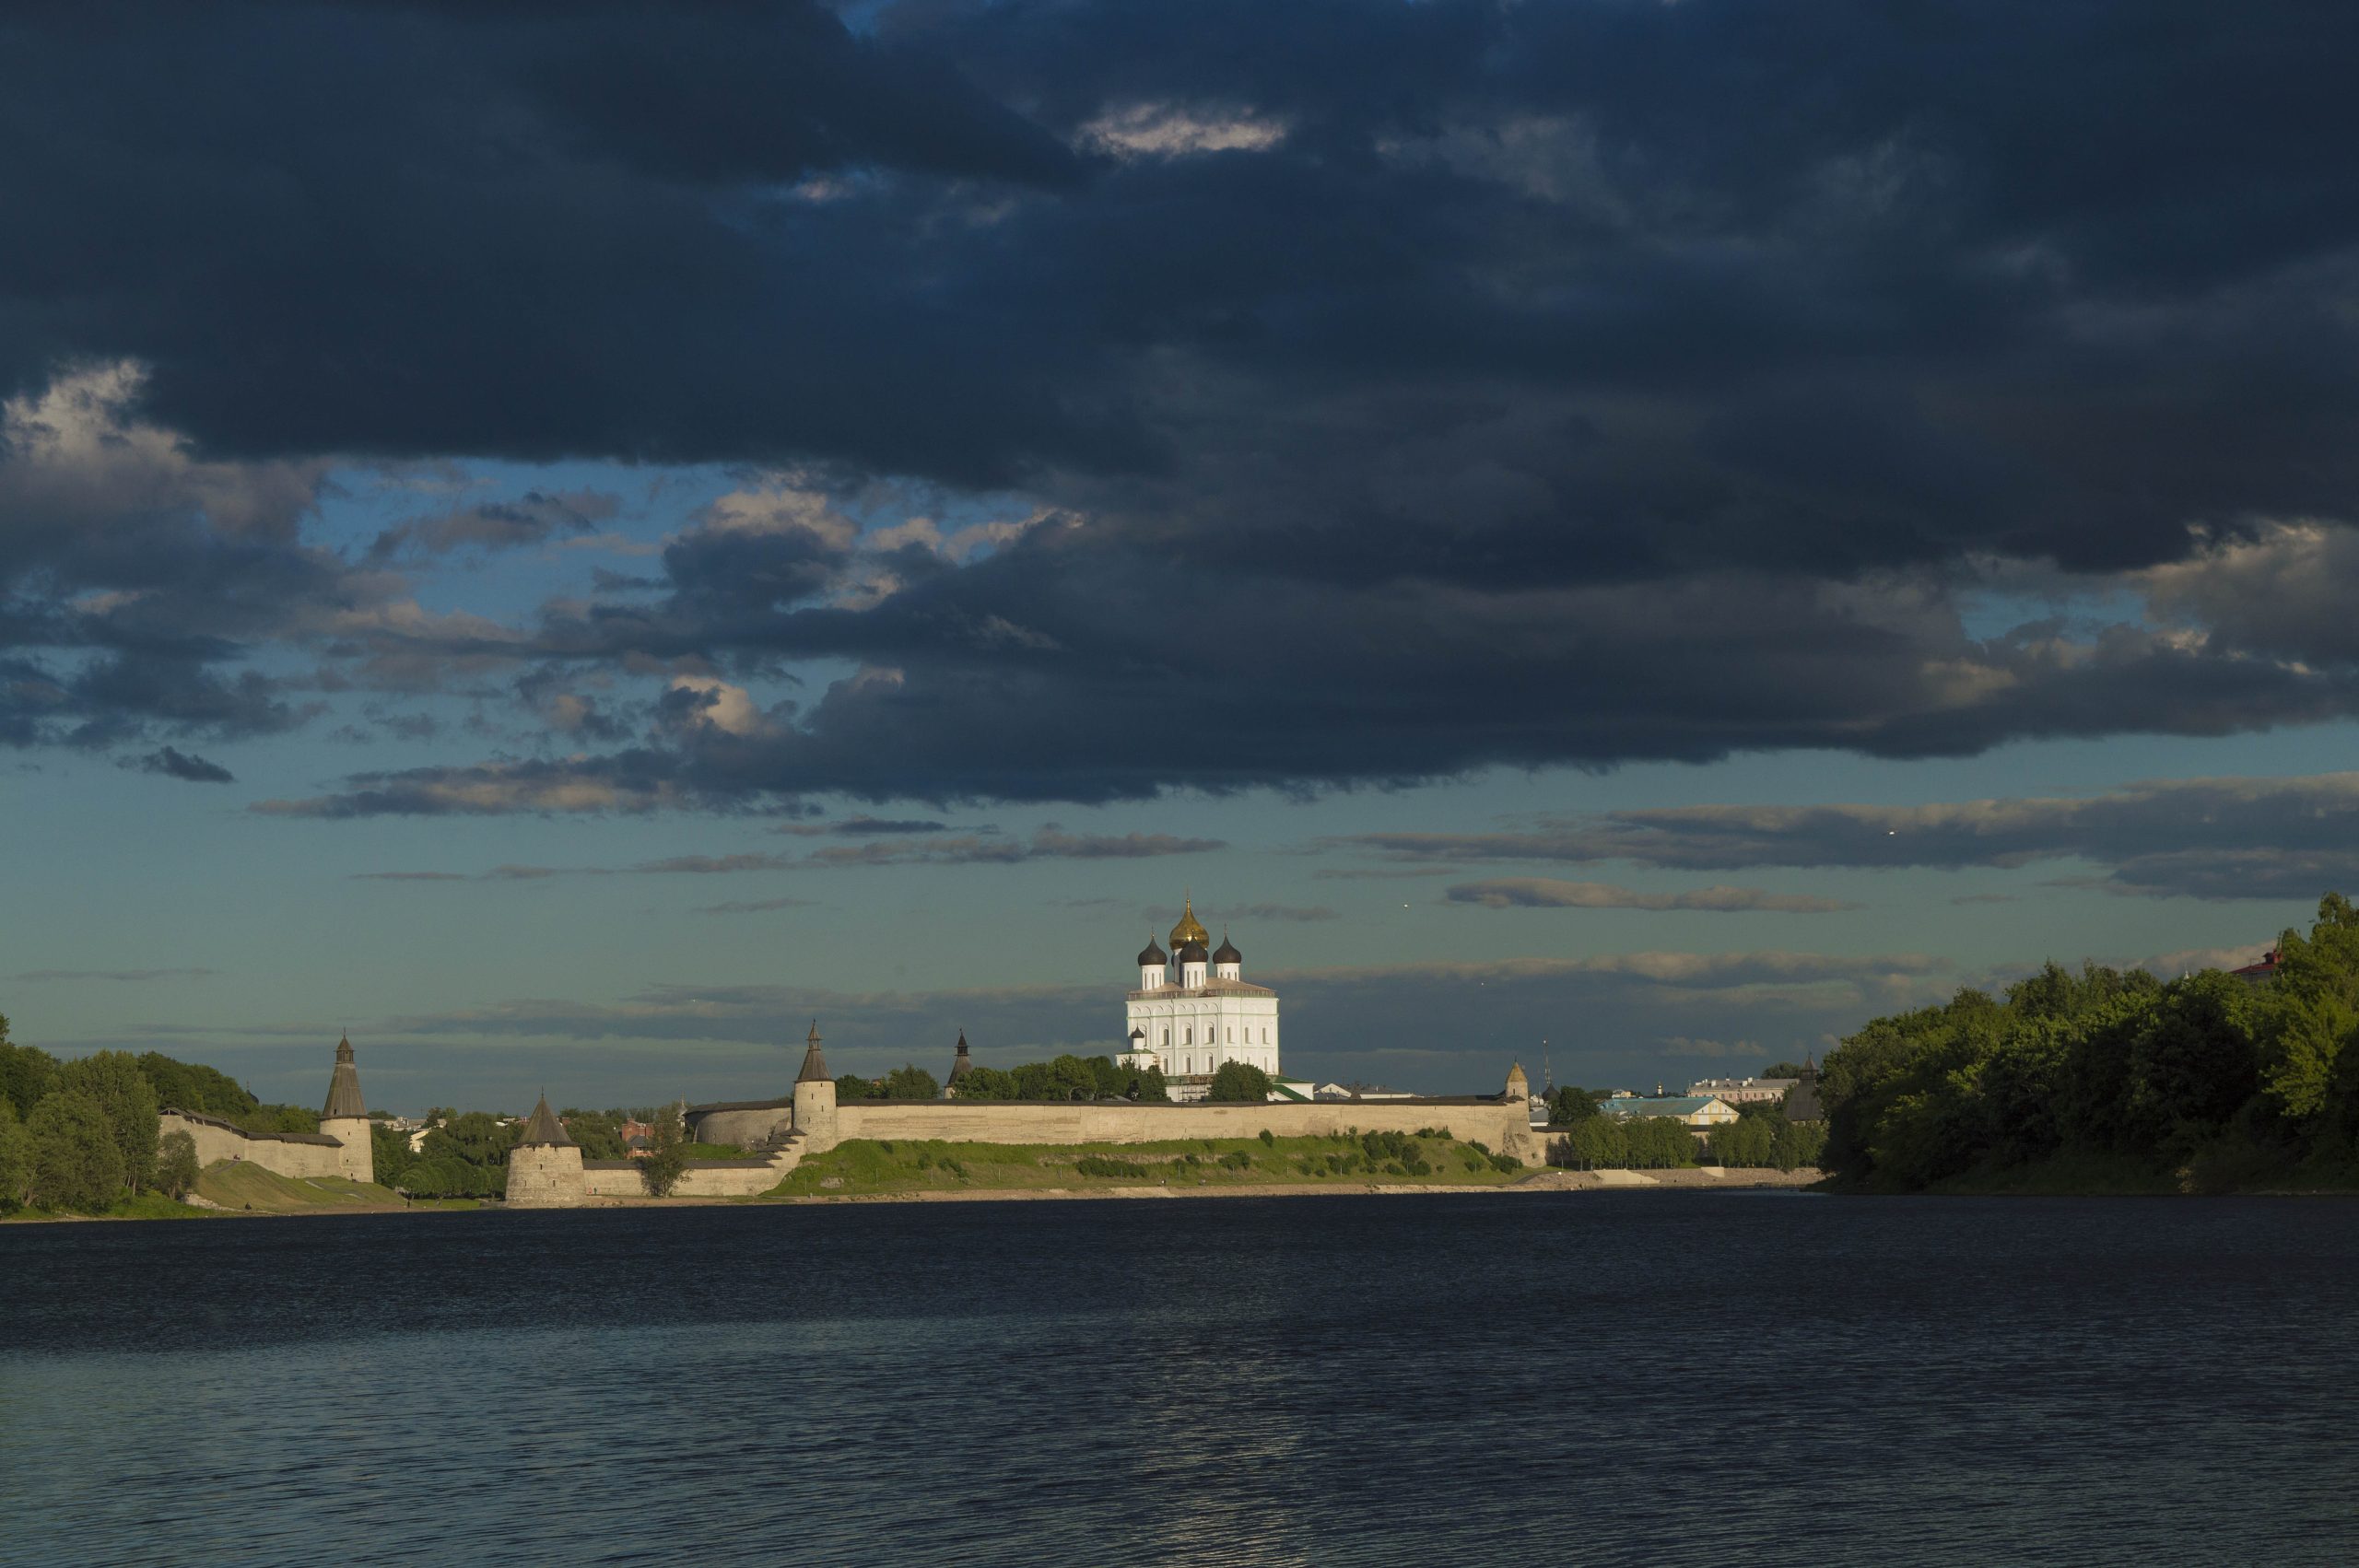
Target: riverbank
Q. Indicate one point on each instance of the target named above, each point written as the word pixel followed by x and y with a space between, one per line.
pixel 1702 1178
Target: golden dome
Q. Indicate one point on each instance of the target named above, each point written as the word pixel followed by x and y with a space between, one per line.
pixel 1189 928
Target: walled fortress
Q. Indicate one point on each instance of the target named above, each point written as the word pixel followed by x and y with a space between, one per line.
pixel 546 1170
pixel 340 1148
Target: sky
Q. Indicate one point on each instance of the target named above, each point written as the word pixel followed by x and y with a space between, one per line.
pixel 570 541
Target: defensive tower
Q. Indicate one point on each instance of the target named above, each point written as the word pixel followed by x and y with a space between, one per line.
pixel 814 1098
pixel 345 1118
pixel 545 1169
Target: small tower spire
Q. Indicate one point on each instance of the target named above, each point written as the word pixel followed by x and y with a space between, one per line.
pixel 815 1066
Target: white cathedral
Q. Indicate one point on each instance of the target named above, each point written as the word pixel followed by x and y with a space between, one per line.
pixel 1189 1024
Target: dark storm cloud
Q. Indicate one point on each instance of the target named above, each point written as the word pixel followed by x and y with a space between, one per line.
pixel 2277 838
pixel 1410 390
pixel 174 763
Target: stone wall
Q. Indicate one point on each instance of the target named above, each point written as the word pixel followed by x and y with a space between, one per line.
pixel 1504 1127
pixel 743 1125
pixel 288 1155
pixel 703 1178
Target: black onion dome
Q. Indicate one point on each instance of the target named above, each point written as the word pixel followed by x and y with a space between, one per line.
pixel 1193 952
pixel 1153 954
pixel 1226 951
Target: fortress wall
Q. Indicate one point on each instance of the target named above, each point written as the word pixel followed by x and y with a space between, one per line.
pixel 1504 1127
pixel 743 1129
pixel 703 1178
pixel 733 1179
pixel 215 1141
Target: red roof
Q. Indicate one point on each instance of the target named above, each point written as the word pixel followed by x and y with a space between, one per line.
pixel 2264 970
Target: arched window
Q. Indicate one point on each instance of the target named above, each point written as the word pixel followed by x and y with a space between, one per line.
pixel 1167 1040
pixel 1232 1037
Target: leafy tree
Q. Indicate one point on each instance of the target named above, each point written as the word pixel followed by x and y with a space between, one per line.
pixel 1568 1105
pixel 77 1163
pixel 853 1086
pixel 597 1133
pixel 986 1083
pixel 476 1138
pixel 1746 1141
pixel 112 1078
pixel 176 1165
pixel 27 1073
pixel 1148 1084
pixel 389 1155
pixel 1597 1143
pixel 910 1082
pixel 191 1088
pixel 667 1159
pixel 1238 1080
pixel 16 1157
pixel 1783 1070
pixel 279 1118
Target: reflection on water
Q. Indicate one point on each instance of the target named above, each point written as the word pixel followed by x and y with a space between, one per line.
pixel 1577 1377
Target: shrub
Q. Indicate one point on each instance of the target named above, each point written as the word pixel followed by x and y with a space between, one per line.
pixel 1505 1163
pixel 1269 1138
pixel 1395 1169
pixel 176 1165
pixel 1236 1160
pixel 1100 1165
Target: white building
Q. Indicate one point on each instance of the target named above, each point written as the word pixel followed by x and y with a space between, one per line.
pixel 1191 1021
pixel 1743 1091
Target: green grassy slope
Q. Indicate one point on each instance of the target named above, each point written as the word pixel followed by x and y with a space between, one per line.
pixel 866 1166
pixel 241 1186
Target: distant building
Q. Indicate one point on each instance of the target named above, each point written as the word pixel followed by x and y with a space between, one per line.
pixel 1698 1113
pixel 2260 974
pixel 1191 1022
pixel 1743 1091
pixel 1359 1092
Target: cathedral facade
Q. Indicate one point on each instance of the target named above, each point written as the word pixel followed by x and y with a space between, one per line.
pixel 1192 1009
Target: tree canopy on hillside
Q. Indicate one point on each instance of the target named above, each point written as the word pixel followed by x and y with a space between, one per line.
pixel 2207 1078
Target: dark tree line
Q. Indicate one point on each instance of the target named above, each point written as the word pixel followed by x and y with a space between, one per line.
pixel 1066 1077
pixel 2206 1080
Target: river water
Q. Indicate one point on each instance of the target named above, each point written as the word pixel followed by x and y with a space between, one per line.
pixel 1579 1377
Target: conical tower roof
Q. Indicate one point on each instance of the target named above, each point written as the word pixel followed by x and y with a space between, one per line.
pixel 961 1064
pixel 543 1127
pixel 344 1086
pixel 815 1066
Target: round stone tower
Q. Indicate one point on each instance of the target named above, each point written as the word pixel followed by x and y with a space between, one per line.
pixel 545 1169
pixel 815 1099
pixel 345 1119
